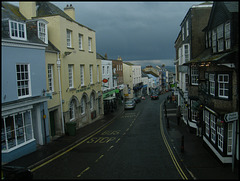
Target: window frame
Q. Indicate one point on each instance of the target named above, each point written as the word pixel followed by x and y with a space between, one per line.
pixel 42 35
pixel 220 136
pixel 80 41
pixel 227 34
pixel 212 84
pixel 89 44
pixel 69 38
pixel 50 77
pixel 17 35
pixel 70 76
pixel 25 131
pixel 82 74
pixel 226 86
pixel 206 120
pixel 194 75
pixel 213 127
pixel 23 81
pixel 91 73
pixel 214 40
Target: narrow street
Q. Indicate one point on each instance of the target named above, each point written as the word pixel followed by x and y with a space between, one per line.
pixel 130 147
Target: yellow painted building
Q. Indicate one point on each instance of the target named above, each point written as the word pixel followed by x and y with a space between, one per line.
pixel 79 70
pixel 128 80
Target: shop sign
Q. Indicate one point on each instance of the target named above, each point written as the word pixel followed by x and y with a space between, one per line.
pixel 231 117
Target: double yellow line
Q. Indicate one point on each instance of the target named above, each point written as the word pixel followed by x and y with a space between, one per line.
pixel 179 169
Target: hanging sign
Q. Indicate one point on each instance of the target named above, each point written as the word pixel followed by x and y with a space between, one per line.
pixel 231 116
pixel 105 80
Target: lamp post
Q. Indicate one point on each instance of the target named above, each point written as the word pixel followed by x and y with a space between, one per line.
pixel 60 91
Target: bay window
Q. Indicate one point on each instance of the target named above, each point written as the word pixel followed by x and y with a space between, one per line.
pixel 16 130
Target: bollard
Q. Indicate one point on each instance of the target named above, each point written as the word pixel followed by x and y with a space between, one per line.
pixel 182 144
pixel 168 126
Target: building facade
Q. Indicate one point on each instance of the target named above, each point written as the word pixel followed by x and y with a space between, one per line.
pixel 189 44
pixel 218 82
pixel 25 122
pixel 80 77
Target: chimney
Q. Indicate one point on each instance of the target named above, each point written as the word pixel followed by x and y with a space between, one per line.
pixel 106 57
pixel 70 11
pixel 28 8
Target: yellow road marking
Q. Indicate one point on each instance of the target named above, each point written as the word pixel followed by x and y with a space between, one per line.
pixel 180 171
pixel 63 153
pixel 83 171
pixel 99 158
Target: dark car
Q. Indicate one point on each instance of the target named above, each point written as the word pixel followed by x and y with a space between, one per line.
pixel 154 96
pixel 16 173
pixel 137 99
pixel 130 104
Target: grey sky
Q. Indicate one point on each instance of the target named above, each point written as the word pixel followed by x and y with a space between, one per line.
pixel 133 30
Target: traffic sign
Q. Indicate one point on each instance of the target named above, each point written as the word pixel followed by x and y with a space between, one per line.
pixel 231 116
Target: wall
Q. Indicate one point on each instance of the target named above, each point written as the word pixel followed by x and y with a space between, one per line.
pixel 36 59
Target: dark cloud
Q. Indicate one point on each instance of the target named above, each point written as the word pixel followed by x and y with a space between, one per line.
pixel 133 30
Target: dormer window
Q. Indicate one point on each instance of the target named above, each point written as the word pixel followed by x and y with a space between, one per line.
pixel 17 30
pixel 42 31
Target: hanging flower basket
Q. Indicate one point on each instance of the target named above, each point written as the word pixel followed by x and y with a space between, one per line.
pixel 220 123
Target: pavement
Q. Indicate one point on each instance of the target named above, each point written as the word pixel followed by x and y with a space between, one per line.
pixel 196 158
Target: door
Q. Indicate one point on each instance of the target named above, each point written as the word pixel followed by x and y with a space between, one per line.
pixel 52 123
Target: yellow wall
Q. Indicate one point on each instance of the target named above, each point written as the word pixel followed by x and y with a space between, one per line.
pixel 128 80
pixel 57 31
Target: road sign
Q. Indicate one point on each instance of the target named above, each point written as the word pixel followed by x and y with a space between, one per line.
pixel 231 116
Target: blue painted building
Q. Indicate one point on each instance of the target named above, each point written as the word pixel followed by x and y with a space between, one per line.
pixel 24 118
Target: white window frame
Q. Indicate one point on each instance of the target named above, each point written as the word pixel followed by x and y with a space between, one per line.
pixel 20 32
pixel 194 113
pixel 91 73
pixel 50 78
pixel 69 38
pixel 194 75
pixel 212 84
pixel 214 41
pixel 23 80
pixel 25 131
pixel 229 138
pixel 42 31
pixel 186 53
pixel 220 135
pixel 213 127
pixel 206 118
pixel 80 40
pixel 70 76
pixel 187 29
pixel 89 44
pixel 220 38
pixel 227 35
pixel 223 85
pixel 82 75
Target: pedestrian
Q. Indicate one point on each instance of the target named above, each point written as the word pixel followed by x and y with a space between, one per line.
pixel 179 114
pixel 199 126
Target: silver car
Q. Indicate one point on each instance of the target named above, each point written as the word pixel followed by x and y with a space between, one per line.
pixel 130 104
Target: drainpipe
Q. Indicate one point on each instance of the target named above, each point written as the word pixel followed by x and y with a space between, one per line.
pixel 60 91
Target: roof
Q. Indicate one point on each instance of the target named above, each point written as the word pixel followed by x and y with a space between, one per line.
pixel 48 9
pixel 11 12
pixel 232 6
pixel 224 57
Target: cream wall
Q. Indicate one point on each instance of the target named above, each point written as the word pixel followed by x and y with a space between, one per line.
pixel 128 80
pixel 57 31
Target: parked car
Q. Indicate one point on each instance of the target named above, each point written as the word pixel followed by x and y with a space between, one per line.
pixel 154 96
pixel 137 99
pixel 130 104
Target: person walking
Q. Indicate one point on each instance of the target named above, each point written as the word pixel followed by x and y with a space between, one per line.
pixel 199 126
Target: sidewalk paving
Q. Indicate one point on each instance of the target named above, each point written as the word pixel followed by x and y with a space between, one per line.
pixel 200 161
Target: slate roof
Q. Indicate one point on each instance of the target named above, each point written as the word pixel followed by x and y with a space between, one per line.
pixel 11 12
pixel 48 9
pixel 232 6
